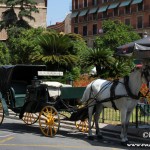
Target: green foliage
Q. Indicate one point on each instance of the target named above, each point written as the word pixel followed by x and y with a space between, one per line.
pixel 10 18
pixel 120 68
pixel 115 34
pixel 57 51
pixel 22 44
pixel 100 58
pixel 4 53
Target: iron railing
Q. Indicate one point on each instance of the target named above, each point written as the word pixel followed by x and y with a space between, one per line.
pixel 139 117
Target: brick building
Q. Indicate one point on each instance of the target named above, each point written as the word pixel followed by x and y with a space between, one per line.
pixel 64 26
pixel 88 15
pixel 40 18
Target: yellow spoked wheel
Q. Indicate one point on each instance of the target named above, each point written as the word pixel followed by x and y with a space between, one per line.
pixel 30 118
pixel 82 125
pixel 1 113
pixel 49 121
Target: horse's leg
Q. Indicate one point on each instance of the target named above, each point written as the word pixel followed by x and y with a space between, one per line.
pixel 90 113
pixel 127 123
pixel 123 126
pixel 99 108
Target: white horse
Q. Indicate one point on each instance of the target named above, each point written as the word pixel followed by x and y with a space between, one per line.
pixel 125 98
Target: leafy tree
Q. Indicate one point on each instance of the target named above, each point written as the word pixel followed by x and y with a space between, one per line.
pixel 22 44
pixel 57 51
pixel 80 49
pixel 100 58
pixel 11 18
pixel 4 53
pixel 115 34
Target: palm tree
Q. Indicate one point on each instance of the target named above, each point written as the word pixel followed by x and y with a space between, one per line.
pixel 100 58
pixel 57 50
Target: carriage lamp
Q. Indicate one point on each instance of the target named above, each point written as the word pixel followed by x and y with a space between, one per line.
pixel 35 81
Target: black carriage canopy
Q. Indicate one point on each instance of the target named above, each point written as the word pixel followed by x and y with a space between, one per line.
pixel 24 73
pixel 139 49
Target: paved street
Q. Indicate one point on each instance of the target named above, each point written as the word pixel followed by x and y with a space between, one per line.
pixel 15 135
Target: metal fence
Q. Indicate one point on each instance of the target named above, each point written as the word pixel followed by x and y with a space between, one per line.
pixel 139 117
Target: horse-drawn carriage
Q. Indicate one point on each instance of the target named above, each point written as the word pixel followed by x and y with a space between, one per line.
pixel 36 99
pixel 32 100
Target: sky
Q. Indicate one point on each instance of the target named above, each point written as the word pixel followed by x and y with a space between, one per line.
pixel 57 10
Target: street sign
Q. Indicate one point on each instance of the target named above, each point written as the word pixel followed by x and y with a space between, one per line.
pixel 50 73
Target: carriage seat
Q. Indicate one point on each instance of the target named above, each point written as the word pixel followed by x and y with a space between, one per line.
pixel 18 91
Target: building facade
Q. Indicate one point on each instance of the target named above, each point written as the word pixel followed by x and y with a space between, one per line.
pixel 64 26
pixel 40 18
pixel 88 15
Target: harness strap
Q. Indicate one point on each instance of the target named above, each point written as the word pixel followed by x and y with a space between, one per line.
pixel 112 93
pixel 126 83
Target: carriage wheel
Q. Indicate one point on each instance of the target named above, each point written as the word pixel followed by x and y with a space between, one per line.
pixel 30 118
pixel 1 113
pixel 49 121
pixel 83 125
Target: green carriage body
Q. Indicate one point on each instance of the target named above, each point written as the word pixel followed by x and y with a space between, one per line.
pixel 14 80
pixel 72 92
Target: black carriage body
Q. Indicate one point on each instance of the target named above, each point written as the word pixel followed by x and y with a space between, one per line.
pixel 36 98
pixel 14 80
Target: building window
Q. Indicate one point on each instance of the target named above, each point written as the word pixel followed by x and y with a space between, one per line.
pixel 85 3
pixel 95 16
pixel 94 2
pixel 104 14
pixel 76 4
pixel 84 30
pixel 104 1
pixel 76 19
pixel 85 17
pixel 76 30
pixel 140 6
pixel 116 11
pixel 127 9
pixel 127 22
pixel 140 22
pixel 94 29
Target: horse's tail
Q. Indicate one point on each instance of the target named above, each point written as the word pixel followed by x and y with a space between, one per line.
pixel 86 94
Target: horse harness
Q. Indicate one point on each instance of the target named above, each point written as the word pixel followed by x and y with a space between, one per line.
pixel 114 83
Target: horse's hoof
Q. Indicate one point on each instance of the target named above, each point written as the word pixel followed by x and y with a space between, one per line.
pixel 99 136
pixel 91 138
pixel 125 143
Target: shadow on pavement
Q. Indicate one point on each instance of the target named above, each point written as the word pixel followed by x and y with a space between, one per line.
pixel 71 134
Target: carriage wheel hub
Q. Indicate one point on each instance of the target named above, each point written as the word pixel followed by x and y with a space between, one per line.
pixel 50 120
